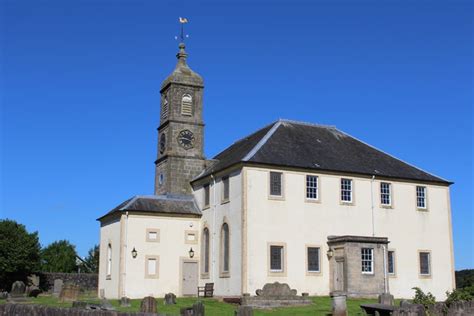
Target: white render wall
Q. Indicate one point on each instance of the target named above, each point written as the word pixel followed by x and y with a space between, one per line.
pixel 109 233
pixel 171 249
pixel 296 222
pixel 213 218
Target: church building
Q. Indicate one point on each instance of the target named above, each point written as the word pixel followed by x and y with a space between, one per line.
pixel 294 202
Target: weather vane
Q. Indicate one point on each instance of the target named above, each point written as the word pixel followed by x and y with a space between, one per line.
pixel 182 36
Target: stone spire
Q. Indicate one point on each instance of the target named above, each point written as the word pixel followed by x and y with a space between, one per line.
pixel 182 73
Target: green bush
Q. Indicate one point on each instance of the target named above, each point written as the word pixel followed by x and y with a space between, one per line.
pixel 420 297
pixel 464 294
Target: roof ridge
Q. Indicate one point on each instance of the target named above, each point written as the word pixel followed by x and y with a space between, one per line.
pixel 262 141
pixel 409 164
pixel 307 123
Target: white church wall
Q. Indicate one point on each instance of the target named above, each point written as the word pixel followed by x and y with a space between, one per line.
pixel 296 223
pixel 171 248
pixel 109 234
pixel 213 218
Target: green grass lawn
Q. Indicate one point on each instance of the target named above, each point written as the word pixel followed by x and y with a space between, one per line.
pixel 321 306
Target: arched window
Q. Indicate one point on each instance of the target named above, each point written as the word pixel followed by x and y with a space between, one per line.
pixel 187 105
pixel 109 260
pixel 165 107
pixel 225 248
pixel 205 250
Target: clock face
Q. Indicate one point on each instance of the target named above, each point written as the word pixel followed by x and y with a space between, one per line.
pixel 162 143
pixel 186 139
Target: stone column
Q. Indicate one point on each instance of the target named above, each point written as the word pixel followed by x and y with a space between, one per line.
pixel 339 306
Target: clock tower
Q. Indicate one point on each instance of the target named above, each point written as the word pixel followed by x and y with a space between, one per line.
pixel 181 130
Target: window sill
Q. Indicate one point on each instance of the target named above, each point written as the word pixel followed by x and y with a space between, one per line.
pixel 368 273
pixel 205 207
pixel 419 209
pixel 153 276
pixel 274 273
pixel 313 273
pixel 205 276
pixel 276 197
pixel 312 200
pixel 389 207
pixel 225 201
pixel 392 275
pixel 346 203
pixel 108 277
pixel 224 275
pixel 424 276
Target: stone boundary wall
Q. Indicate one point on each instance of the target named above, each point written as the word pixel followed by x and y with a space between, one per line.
pixel 38 310
pixel 86 281
pixel 462 308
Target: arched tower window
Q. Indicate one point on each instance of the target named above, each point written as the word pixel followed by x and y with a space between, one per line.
pixel 205 250
pixel 187 105
pixel 109 260
pixel 164 107
pixel 225 244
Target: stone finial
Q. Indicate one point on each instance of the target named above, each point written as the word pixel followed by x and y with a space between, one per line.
pixel 182 55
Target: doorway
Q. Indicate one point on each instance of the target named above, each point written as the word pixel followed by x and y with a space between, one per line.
pixel 189 281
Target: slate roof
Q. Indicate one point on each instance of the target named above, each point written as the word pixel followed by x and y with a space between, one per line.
pixel 316 147
pixel 164 204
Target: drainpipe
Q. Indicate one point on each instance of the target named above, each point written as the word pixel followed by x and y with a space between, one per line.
pixel 125 257
pixel 214 230
pixel 372 203
pixel 385 278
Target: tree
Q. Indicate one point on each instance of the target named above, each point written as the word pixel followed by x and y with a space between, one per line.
pixel 19 253
pixel 92 260
pixel 60 256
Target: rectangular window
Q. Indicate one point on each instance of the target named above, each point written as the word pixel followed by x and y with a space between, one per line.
pixel 391 262
pixel 312 187
pixel 346 190
pixel 425 268
pixel 206 195
pixel 276 258
pixel 421 197
pixel 275 183
pixel 313 259
pixel 151 268
pixel 225 189
pixel 385 193
pixel 153 235
pixel 367 256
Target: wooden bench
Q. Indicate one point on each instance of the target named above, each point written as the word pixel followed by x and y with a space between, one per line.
pixel 207 290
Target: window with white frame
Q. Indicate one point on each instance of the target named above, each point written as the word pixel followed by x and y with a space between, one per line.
pixel 385 193
pixel 311 187
pixel 225 189
pixel 109 260
pixel 187 105
pixel 391 262
pixel 276 258
pixel 346 190
pixel 425 258
pixel 276 183
pixel 206 195
pixel 367 259
pixel 313 259
pixel 421 197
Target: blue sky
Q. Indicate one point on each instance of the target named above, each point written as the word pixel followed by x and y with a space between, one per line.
pixel 80 93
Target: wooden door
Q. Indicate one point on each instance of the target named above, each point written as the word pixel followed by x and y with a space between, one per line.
pixel 339 276
pixel 190 278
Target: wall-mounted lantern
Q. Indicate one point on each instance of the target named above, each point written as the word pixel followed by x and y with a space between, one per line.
pixel 191 253
pixel 134 253
pixel 330 253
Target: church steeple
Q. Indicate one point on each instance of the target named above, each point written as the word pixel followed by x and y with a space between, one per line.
pixel 181 129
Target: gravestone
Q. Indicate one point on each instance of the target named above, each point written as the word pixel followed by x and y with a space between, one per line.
pixel 198 309
pixel 275 295
pixel 386 299
pixel 33 291
pixel 57 287
pixel 3 295
pixel 276 289
pixel 18 289
pixel 148 305
pixel 244 311
pixel 170 299
pixel 125 302
pixel 106 305
pixel 69 293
